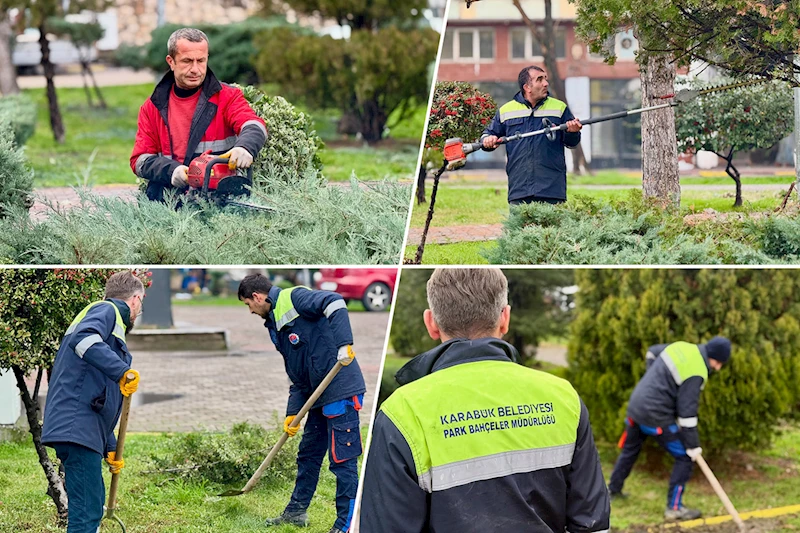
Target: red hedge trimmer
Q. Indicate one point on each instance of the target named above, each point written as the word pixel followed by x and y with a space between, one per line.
pixel 212 179
pixel 456 150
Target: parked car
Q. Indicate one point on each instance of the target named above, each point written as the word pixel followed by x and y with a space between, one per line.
pixel 372 286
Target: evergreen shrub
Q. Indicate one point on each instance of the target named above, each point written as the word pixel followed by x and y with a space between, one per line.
pixel 621 313
pixel 16 178
pixel 19 112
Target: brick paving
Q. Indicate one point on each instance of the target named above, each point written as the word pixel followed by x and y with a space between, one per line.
pixel 248 383
pixel 67 197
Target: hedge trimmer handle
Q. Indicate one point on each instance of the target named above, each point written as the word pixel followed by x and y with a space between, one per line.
pixel 217 161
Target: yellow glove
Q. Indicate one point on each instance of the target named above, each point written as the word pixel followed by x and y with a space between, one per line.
pixel 114 466
pixel 291 431
pixel 130 387
pixel 238 157
pixel 346 355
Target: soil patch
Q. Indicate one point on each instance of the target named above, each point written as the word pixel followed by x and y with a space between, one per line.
pixel 753 525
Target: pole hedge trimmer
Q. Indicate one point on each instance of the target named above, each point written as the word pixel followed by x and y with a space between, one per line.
pixel 456 150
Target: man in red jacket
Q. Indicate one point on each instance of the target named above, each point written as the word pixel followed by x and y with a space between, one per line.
pixel 189 112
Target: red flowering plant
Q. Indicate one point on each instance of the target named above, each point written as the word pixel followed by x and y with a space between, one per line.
pixel 36 307
pixel 458 110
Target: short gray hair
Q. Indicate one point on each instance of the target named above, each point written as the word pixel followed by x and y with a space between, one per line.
pixel 467 302
pixel 190 34
pixel 123 285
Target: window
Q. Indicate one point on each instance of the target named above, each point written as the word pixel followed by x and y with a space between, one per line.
pixel 525 47
pixel 468 44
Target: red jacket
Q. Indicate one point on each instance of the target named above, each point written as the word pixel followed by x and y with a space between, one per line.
pixel 222 120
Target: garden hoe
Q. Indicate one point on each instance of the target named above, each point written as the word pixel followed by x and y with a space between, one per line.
pixel 281 441
pixel 712 479
pixel 455 150
pixel 111 507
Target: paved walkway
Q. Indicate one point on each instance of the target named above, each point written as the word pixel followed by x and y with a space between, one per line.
pixel 66 197
pixel 105 76
pixel 217 389
pixel 451 234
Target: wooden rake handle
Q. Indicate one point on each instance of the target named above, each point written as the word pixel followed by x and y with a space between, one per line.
pixel 123 429
pixel 296 422
pixel 712 479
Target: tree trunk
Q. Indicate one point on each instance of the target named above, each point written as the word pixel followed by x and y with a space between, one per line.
pixel 102 100
pixel 659 148
pixel 55 484
pixel 8 73
pixel 547 43
pixel 56 122
pixel 421 175
pixel 86 89
pixel 373 120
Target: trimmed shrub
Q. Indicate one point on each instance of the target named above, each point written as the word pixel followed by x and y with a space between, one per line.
pixel 231 457
pixel 292 143
pixel 621 313
pixel 19 112
pixel 16 179
pixel 585 231
pixel 312 224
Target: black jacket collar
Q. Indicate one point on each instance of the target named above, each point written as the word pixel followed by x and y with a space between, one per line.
pixel 455 352
pixel 124 311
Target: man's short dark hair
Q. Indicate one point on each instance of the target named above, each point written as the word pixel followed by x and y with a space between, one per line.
pixel 525 75
pixel 252 284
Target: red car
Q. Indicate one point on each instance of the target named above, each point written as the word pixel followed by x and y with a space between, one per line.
pixel 373 286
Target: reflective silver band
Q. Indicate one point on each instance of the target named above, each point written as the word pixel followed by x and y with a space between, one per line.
pixel 517 113
pixel 287 317
pixel 334 306
pixel 119 331
pixel 141 161
pixel 255 123
pixel 690 422
pixel 87 343
pixel 548 113
pixel 672 368
pixel 497 465
pixel 216 146
pixel 650 355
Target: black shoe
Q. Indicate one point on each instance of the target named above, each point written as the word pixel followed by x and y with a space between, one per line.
pixel 296 518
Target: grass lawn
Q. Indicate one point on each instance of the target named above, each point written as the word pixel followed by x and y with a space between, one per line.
pixel 458 205
pixel 155 503
pixel 752 481
pixel 112 131
pixel 371 162
pixel 461 253
pixel 617 177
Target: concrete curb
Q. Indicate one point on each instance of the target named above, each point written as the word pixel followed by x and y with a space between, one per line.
pixel 178 339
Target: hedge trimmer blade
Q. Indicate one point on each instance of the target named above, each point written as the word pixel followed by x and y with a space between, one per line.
pixel 686 95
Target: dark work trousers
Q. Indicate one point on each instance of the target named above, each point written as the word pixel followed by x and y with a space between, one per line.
pixel 669 439
pixel 341 438
pixel 83 469
pixel 537 199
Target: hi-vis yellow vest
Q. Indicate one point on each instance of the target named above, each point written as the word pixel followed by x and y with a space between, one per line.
pixel 684 361
pixel 484 420
pixel 550 108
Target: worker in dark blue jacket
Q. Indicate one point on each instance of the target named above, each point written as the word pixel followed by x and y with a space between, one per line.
pixel 536 168
pixel 311 330
pixel 664 406
pixel 84 400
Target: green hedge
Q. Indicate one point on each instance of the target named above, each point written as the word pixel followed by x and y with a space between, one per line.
pixel 588 231
pixel 19 112
pixel 16 178
pixel 231 48
pixel 623 312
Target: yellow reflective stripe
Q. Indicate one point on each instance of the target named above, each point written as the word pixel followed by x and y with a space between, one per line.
pixel 284 308
pixel 119 327
pixel 287 317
